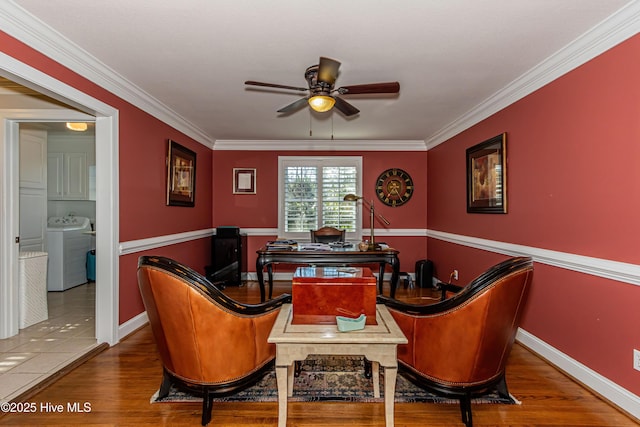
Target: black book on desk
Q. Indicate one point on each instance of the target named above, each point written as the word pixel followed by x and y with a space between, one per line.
pixel 228 257
pixel 282 245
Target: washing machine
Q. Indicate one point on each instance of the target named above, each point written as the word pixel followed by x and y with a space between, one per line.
pixel 68 241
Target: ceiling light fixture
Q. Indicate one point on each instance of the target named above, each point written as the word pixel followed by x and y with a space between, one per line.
pixel 77 126
pixel 321 103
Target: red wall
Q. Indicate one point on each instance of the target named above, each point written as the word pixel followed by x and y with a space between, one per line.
pixel 143 189
pixel 142 174
pixel 261 210
pixel 196 254
pixel 573 185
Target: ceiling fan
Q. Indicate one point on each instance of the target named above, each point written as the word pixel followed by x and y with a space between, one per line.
pixel 321 79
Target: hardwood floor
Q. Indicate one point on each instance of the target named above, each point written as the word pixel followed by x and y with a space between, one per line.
pixel 114 388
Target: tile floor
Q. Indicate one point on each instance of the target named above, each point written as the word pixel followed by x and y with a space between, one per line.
pixel 44 348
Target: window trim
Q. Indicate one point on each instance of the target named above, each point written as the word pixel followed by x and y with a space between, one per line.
pixel 284 161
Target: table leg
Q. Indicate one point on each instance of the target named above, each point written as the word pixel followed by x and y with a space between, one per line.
pixel 290 377
pixel 270 274
pixel 282 381
pixel 375 376
pixel 390 375
pixel 259 273
pixel 395 272
pixel 381 277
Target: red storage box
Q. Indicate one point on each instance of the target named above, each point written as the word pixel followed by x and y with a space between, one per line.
pixel 319 294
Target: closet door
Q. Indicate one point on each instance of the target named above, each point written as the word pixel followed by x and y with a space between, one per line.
pixel 33 189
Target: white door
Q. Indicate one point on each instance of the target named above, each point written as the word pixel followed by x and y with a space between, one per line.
pixel 33 189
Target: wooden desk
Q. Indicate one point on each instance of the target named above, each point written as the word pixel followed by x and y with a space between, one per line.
pixel 266 258
pixel 378 343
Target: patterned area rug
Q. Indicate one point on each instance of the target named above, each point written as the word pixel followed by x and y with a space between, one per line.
pixel 329 378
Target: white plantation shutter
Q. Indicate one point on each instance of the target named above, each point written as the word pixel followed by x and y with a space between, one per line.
pixel 312 191
pixel 300 198
pixel 336 182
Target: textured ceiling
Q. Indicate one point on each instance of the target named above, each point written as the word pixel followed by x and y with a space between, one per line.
pixel 194 56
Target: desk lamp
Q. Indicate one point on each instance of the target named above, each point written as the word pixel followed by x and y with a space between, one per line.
pixel 372 214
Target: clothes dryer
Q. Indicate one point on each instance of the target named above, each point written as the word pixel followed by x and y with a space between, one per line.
pixel 68 241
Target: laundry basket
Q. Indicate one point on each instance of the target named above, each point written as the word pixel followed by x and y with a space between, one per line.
pixel 33 288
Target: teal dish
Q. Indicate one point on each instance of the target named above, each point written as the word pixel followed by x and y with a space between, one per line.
pixel 346 324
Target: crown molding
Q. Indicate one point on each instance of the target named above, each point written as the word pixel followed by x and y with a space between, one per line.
pixel 21 25
pixel 320 145
pixel 28 29
pixel 620 26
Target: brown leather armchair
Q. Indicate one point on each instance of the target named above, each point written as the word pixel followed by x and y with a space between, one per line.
pixel 458 347
pixel 208 343
pixel 327 235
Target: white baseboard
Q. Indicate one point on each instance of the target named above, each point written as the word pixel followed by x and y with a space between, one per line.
pixel 604 387
pixel 132 325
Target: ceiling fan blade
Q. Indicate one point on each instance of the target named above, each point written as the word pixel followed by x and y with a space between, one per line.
pixel 345 108
pixel 390 87
pixel 328 70
pixel 252 83
pixel 294 106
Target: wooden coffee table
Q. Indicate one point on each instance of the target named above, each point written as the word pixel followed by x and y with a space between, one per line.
pixel 378 343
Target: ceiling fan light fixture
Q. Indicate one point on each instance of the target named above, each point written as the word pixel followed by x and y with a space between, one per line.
pixel 77 126
pixel 321 103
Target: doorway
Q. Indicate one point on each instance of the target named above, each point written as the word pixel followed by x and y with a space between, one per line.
pixel 84 108
pixel 57 211
pixel 62 329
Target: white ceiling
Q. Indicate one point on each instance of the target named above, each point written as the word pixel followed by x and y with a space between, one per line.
pixel 450 56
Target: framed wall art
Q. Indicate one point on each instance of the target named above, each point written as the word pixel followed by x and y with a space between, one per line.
pixel 181 176
pixel 244 181
pixel 487 176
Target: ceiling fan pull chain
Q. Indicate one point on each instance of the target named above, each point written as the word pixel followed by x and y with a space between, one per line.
pixel 332 127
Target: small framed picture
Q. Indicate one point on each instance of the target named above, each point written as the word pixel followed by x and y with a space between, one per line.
pixel 487 176
pixel 181 176
pixel 244 181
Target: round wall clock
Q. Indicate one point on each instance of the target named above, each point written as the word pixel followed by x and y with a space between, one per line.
pixel 394 187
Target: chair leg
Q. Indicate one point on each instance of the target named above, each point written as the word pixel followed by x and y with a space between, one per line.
pixel 165 385
pixel 502 389
pixel 207 406
pixel 465 409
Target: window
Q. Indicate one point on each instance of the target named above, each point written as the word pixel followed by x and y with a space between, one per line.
pixel 311 192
